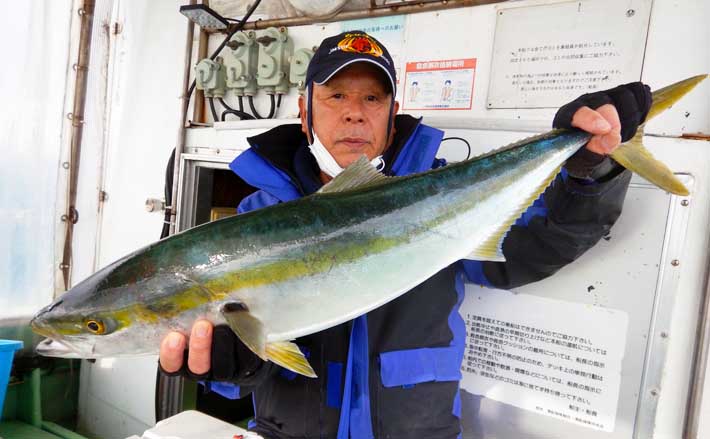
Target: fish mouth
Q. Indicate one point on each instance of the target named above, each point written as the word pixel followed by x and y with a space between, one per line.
pixel 61 349
pixel 41 329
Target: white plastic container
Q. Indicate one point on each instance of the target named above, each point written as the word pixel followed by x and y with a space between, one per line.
pixel 192 424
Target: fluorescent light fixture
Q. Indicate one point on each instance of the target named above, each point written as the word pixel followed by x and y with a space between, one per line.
pixel 204 17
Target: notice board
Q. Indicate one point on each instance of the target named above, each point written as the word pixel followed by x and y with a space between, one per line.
pixel 546 55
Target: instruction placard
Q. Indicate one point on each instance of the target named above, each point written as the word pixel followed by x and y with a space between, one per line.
pixel 439 85
pixel 567 367
pixel 545 55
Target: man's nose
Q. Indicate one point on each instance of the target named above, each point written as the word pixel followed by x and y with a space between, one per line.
pixel 354 112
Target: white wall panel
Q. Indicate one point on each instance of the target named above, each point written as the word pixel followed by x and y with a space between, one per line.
pixel 36 88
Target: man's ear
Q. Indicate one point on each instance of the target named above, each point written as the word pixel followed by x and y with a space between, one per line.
pixel 395 108
pixel 304 117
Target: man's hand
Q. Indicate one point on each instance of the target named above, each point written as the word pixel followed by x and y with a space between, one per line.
pixel 603 123
pixel 172 349
pixel 612 116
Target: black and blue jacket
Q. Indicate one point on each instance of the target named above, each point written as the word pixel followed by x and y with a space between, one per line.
pixel 394 373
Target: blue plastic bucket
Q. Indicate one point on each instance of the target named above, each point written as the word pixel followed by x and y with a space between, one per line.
pixel 7 352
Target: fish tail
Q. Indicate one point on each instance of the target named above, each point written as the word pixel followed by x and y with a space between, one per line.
pixel 665 97
pixel 634 156
pixel 289 356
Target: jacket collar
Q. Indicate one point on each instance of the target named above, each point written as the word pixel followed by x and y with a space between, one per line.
pixel 270 162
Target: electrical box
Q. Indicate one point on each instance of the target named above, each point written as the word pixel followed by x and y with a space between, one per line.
pixel 299 65
pixel 241 63
pixel 210 77
pixel 275 49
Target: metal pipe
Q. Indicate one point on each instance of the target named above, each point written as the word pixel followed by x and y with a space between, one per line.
pixel 385 10
pixel 77 118
pixel 199 113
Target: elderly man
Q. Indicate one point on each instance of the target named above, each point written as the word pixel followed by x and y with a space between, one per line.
pixel 394 373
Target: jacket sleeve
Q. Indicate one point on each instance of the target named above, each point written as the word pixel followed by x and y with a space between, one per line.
pixel 569 218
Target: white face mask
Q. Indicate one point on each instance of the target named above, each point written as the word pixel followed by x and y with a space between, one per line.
pixel 327 163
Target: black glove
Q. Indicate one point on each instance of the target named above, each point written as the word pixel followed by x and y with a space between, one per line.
pixel 231 360
pixel 632 102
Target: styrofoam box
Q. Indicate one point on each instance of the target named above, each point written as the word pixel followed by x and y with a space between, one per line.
pixel 192 424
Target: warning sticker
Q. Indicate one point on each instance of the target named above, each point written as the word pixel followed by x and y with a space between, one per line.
pixel 551 357
pixel 439 85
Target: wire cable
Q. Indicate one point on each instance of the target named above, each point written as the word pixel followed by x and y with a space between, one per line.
pixel 278 104
pixel 241 103
pixel 169 168
pixel 253 109
pixel 468 145
pixel 272 110
pixel 212 109
pixel 239 113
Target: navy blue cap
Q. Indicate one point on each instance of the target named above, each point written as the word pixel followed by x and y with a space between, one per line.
pixel 339 51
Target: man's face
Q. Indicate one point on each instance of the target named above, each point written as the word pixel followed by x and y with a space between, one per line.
pixel 351 113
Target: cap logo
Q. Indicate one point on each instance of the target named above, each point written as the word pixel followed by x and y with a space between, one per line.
pixel 360 43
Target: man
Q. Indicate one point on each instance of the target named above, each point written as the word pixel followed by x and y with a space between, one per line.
pixel 394 372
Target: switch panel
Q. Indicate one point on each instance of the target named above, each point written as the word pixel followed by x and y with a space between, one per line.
pixel 275 49
pixel 241 63
pixel 210 77
pixel 299 66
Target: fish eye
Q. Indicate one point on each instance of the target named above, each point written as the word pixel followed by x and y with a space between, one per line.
pixel 96 326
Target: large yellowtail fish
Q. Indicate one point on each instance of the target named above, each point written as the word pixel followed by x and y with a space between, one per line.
pixel 300 267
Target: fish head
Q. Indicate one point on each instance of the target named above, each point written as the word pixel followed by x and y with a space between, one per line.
pixel 102 316
pixel 127 307
pixel 73 333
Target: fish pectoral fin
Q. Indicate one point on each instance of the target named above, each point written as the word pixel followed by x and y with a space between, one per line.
pixel 358 175
pixel 248 328
pixel 251 332
pixel 492 248
pixel 633 156
pixel 289 356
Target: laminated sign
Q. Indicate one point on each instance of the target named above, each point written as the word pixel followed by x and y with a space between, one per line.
pixel 439 85
pixel 551 357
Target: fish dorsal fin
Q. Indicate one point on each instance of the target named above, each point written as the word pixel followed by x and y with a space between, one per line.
pixel 633 156
pixel 248 328
pixel 359 174
pixel 492 248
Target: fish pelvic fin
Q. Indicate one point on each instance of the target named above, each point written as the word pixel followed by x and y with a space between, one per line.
pixel 248 328
pixel 665 97
pixel 492 248
pixel 287 355
pixel 634 156
pixel 358 175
